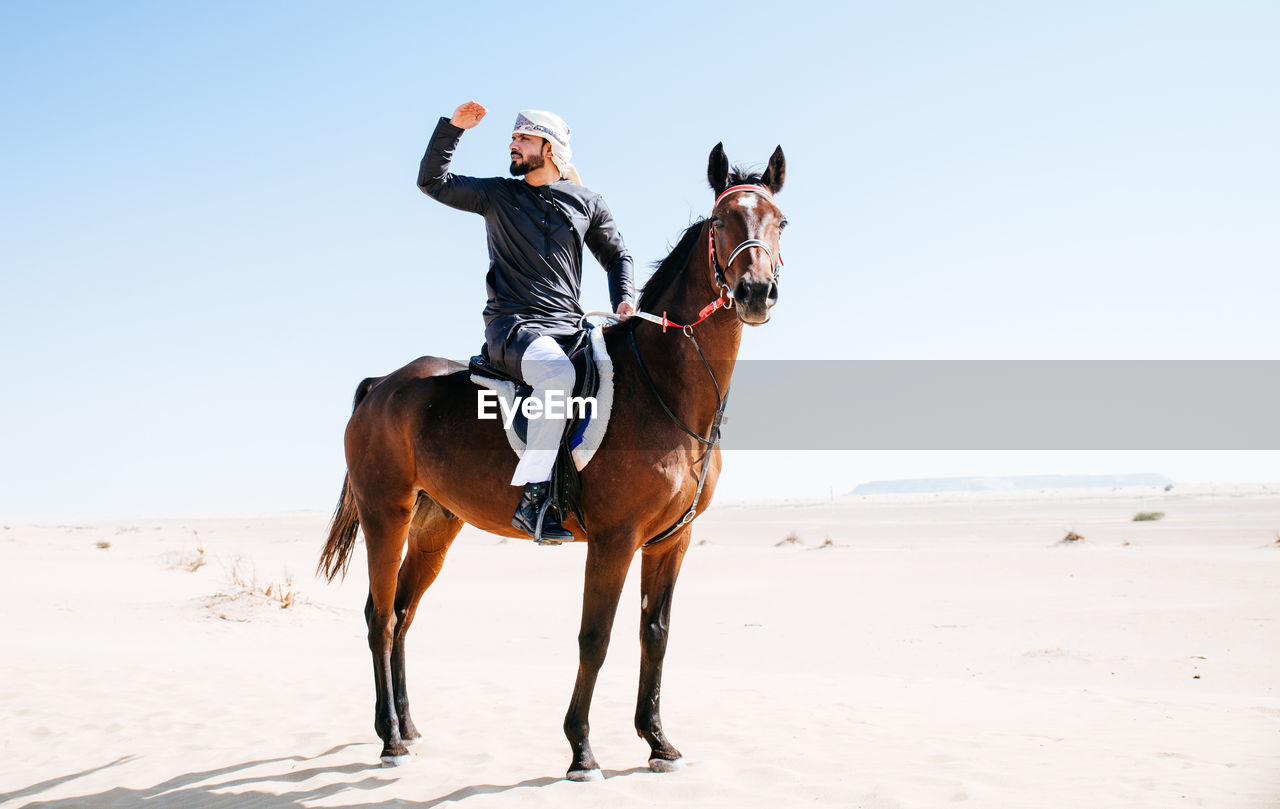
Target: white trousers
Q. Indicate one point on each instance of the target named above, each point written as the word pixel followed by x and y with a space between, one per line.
pixel 546 367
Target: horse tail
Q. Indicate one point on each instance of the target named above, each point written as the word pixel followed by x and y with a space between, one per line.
pixel 336 556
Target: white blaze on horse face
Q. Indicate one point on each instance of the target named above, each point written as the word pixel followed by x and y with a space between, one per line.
pixel 747 201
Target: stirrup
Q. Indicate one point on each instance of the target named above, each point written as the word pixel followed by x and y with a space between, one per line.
pixel 532 516
pixel 560 535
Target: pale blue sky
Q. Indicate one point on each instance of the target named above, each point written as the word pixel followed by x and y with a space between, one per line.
pixel 210 228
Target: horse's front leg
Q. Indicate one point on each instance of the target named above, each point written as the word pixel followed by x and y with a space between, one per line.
pixel 607 563
pixel 660 566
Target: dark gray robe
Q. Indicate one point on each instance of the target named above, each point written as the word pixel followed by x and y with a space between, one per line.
pixel 535 236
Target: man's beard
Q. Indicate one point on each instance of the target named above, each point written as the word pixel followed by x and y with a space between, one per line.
pixel 519 167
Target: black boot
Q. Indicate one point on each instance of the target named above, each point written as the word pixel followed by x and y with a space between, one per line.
pixel 535 508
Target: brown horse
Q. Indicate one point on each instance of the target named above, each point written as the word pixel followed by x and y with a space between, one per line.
pixel 420 464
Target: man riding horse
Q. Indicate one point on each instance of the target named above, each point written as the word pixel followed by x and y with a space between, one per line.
pixel 536 229
pixel 411 491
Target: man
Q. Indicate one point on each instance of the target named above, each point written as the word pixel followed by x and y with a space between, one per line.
pixel 536 229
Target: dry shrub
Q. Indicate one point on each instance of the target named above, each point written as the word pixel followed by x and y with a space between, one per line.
pixel 190 561
pixel 283 592
pixel 102 544
pixel 1148 516
pixel 790 539
pixel 1072 536
pixel 244 576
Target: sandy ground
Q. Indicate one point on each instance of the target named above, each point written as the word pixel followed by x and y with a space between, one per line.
pixel 941 650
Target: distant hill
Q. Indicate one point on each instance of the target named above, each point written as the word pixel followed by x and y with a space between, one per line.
pixel 1008 484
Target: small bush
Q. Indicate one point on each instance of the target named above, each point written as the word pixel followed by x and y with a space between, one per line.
pixel 190 561
pixel 1148 516
pixel 248 582
pixel 283 593
pixel 102 544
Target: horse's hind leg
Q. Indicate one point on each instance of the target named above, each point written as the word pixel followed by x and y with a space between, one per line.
pixel 659 567
pixel 385 531
pixel 431 532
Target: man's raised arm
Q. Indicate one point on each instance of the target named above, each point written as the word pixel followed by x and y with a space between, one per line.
pixel 463 193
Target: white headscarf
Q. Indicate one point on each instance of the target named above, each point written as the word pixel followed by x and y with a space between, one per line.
pixel 551 128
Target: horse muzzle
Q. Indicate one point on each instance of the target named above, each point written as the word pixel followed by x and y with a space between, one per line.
pixel 754 299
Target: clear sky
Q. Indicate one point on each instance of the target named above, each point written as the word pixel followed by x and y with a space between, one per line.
pixel 210 232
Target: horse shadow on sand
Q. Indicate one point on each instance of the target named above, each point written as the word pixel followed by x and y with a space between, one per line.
pixel 205 789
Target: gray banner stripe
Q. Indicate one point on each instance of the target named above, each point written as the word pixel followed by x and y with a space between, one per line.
pixel 979 404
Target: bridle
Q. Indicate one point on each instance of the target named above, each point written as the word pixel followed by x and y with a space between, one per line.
pixel 725 301
pixel 721 283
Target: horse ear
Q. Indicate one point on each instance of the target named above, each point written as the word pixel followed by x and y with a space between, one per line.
pixel 718 170
pixel 776 174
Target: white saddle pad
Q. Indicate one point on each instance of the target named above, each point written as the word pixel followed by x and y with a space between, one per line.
pixel 595 430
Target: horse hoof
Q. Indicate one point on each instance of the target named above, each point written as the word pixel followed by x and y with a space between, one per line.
pixel 585 775
pixel 395 761
pixel 663 765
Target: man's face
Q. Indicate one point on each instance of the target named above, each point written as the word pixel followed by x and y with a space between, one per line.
pixel 527 153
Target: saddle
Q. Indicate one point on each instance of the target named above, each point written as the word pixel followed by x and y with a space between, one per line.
pixel 566 482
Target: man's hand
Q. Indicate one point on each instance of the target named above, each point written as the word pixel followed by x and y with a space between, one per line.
pixel 625 310
pixel 467 115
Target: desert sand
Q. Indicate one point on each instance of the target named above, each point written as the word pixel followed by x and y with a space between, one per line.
pixel 902 651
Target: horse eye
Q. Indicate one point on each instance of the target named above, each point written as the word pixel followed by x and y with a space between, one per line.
pixel 718 224
pixel 782 225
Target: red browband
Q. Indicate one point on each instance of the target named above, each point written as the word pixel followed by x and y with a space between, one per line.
pixel 759 189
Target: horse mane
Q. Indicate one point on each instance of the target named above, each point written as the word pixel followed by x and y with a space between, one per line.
pixel 666 270
pixel 740 175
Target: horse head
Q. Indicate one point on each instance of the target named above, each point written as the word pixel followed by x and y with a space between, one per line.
pixel 745 228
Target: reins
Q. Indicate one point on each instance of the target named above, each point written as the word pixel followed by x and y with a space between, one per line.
pixel 712 439
pixel 713 432
pixel 725 301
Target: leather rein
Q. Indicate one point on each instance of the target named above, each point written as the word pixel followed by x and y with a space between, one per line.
pixel 725 300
